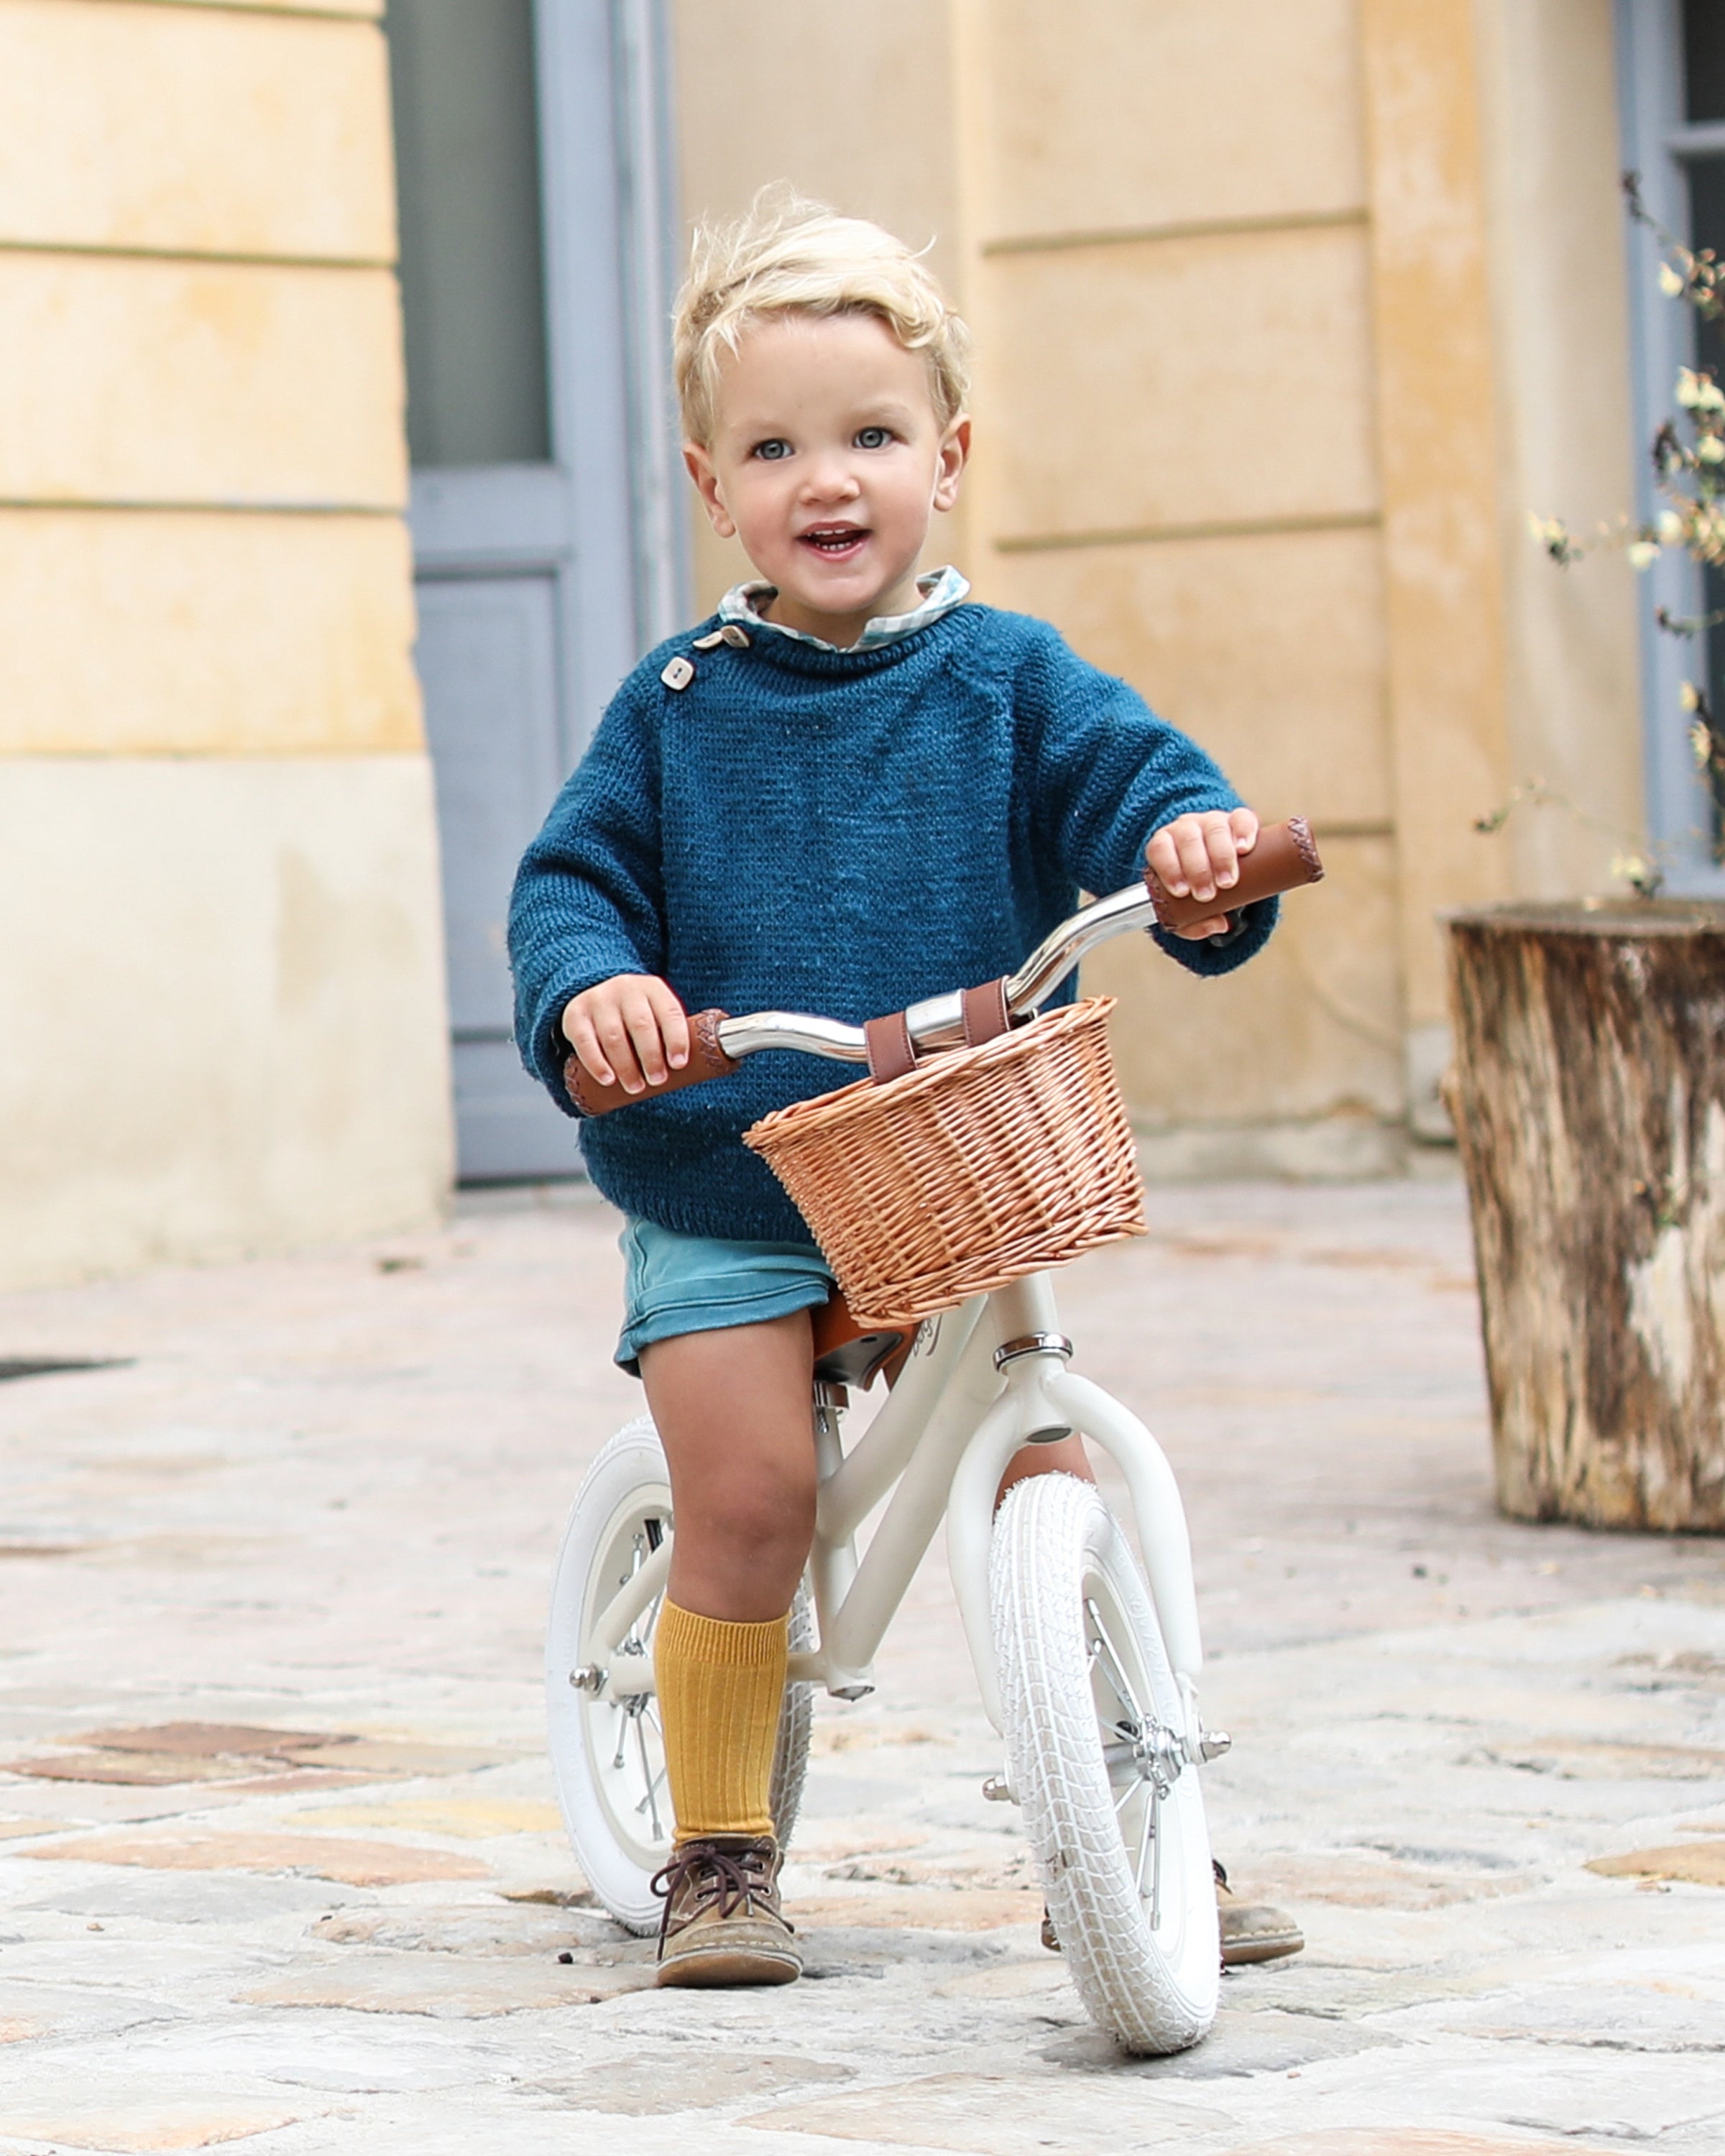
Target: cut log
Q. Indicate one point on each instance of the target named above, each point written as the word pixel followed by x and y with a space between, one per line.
pixel 1588 1097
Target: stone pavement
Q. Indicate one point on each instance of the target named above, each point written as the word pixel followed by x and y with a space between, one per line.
pixel 281 1867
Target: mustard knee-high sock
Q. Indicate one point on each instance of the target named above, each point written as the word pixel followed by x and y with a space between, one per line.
pixel 720 1687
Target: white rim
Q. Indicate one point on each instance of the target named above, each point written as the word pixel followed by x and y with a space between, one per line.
pixel 622 1736
pixel 1143 1754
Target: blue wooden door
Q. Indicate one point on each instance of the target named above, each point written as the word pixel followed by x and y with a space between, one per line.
pixel 530 152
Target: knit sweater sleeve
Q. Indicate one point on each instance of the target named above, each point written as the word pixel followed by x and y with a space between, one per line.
pixel 1106 773
pixel 589 897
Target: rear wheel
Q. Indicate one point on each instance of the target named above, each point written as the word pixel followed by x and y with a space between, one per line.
pixel 608 1746
pixel 1095 1731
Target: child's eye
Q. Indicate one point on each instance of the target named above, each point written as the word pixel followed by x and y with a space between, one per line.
pixel 873 438
pixel 770 452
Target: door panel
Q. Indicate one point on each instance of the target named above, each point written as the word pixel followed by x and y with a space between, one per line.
pixel 509 1131
pixel 531 189
pixel 462 77
pixel 487 658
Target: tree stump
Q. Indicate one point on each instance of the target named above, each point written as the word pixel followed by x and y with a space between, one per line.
pixel 1588 1098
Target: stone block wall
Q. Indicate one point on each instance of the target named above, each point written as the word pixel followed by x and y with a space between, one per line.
pixel 221 999
pixel 1268 294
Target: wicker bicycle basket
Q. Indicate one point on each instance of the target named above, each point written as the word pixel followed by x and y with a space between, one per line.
pixel 972 1170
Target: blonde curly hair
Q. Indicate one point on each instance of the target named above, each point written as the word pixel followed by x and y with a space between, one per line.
pixel 792 256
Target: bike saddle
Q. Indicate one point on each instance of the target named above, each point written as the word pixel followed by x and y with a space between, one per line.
pixel 845 1355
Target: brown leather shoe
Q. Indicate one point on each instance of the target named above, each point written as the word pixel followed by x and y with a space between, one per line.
pixel 1252 1931
pixel 722 1923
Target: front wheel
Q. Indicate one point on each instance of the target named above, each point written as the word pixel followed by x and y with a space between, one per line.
pixel 1094 1733
pixel 607 1748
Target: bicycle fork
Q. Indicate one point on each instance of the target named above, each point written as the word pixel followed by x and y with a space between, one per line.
pixel 1041 1401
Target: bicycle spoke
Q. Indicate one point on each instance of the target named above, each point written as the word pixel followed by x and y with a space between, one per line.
pixel 653 1789
pixel 1113 1674
pixel 1146 1835
pixel 649 1802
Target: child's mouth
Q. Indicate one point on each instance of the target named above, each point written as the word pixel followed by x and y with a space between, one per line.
pixel 832 542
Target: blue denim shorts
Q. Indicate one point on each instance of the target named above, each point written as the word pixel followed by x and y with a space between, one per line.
pixel 678 1284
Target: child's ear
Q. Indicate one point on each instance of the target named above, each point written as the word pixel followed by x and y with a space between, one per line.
pixel 700 467
pixel 954 454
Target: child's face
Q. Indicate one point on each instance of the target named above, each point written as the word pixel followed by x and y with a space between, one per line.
pixel 827 462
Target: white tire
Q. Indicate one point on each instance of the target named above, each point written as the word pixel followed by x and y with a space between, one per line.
pixel 1091 1707
pixel 607 1751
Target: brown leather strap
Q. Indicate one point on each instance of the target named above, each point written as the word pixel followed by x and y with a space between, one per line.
pixel 706 1059
pixel 1284 857
pixel 984 1008
pixel 890 1055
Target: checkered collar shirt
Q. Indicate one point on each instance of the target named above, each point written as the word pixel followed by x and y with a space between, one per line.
pixel 941 590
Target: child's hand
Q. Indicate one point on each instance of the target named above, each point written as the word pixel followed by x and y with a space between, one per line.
pixel 628 1031
pixel 1200 856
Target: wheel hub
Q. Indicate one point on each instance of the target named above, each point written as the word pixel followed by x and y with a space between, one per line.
pixel 1159 1758
pixel 1155 1755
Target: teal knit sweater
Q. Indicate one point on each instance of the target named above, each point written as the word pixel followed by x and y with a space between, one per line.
pixel 843 832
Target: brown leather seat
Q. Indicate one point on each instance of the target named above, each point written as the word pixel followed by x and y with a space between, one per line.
pixel 845 1355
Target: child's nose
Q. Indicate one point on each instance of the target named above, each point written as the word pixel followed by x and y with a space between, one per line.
pixel 830 478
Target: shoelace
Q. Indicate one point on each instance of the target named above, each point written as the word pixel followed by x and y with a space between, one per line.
pixel 725 1882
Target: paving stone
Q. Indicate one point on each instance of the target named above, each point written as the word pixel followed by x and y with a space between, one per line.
pixel 355 1863
pixel 1368 1881
pixel 1408 2141
pixel 996 2116
pixel 840 1843
pixel 880 1728
pixel 169 1753
pixel 882 1945
pixel 1576 1758
pixel 207 1740
pixel 664 2082
pixel 330 2052
pixel 842 1793
pixel 212 1898
pixel 1007 1870
pixel 1677 1669
pixel 446 1985
pixel 149 1770
pixel 467 1818
pixel 1243 2043
pixel 1010 1980
pixel 495 1928
pixel 134 2128
pixel 1563 2091
pixel 1702 1863
pixel 92 2011
pixel 932 1909
pixel 1649 2015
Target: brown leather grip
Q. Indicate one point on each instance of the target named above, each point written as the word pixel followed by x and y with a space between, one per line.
pixel 891 1054
pixel 1284 857
pixel 986 1016
pixel 706 1059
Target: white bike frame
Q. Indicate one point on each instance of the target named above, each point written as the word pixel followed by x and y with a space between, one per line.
pixel 982 1382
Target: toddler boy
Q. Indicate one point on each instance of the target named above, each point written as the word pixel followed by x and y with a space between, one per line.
pixel 850 789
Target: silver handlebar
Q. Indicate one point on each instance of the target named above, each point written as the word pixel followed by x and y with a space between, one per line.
pixel 937 1023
